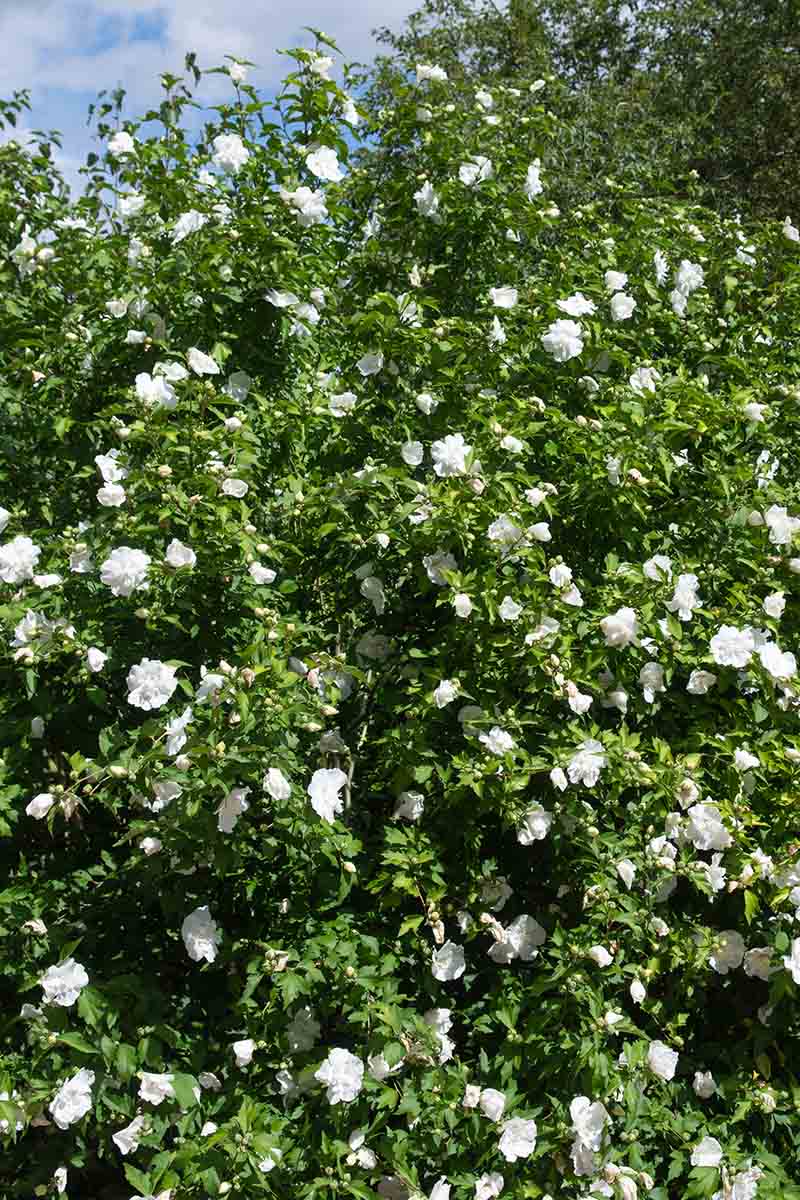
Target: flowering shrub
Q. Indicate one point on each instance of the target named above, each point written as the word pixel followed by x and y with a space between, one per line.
pixel 400 712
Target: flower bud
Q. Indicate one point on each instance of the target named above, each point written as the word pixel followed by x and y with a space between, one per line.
pixel 165 471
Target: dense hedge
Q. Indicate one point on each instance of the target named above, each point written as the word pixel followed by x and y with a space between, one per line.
pixel 399 713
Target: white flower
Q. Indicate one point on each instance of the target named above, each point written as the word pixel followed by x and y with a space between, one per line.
pixel 792 961
pixel 488 1186
pixel 577 306
pixel 320 64
pixel 150 684
pixel 200 363
pixel 412 453
pixel 449 455
pixel 40 806
pixel 343 403
pixel 110 468
pixel 235 487
pixel 73 1099
pixel 176 731
pixel 651 679
pixel 476 171
pixel 497 336
pixel 782 527
pixel 638 992
pixel 774 604
pixel 188 222
pixel 518 1139
pixel 201 935
pixel 261 574
pixel 127 1139
pixel 410 806
pixel 705 829
pixel 704 1085
pixel 111 495
pixel 563 340
pixel 427 201
pixel 309 205
pixel 504 531
pixel 535 825
pixel 790 231
pixel 178 555
pixel 497 740
pixel 121 144
pixel 685 598
pixel 18 559
pixel 600 955
pixel 243 1051
pixel 658 568
pixel 230 152
pixel 436 563
pixel 343 1075
pixel 661 268
pixel 626 871
pixel 700 683
pixel 492 1103
pixel 732 647
pixel 533 180
pixel 728 952
pixel 503 297
pixel 155 391
pixel 426 403
pixel 276 784
pixel 615 281
pixel 688 277
pixel 430 71
pixel 509 610
pixel 231 808
pixel 644 379
pixel 445 693
pixel 150 846
pixel 64 983
pixel 589 1122
pixel 372 589
pixel 521 939
pixel 661 1060
pixel 324 789
pixel 620 629
pixel 155 1087
pixel 448 962
pixel 585 766
pixel 743 760
pixel 758 963
pixel 324 164
pixel 622 307
pixel 125 571
pixel 707 1153
pixel 777 663
pixel 130 205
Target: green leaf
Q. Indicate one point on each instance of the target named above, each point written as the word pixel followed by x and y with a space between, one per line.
pixel 183 1086
pixel 77 1042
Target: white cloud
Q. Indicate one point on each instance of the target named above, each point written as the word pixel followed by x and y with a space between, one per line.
pixel 60 43
pixel 66 51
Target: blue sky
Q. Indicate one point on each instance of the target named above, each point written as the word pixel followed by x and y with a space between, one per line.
pixel 66 51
